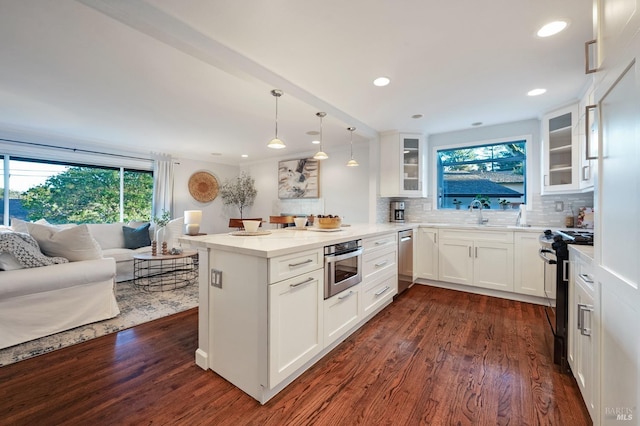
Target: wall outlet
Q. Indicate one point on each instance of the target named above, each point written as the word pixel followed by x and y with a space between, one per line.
pixel 559 206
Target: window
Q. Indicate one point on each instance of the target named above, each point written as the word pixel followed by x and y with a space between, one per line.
pixel 495 174
pixel 76 193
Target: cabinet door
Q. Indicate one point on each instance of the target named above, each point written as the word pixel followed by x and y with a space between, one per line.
pixel 584 348
pixel 617 267
pixel 493 265
pixel 426 263
pixel 341 313
pixel 295 323
pixel 456 261
pixel 402 165
pixel 560 154
pixel 618 21
pixel 528 268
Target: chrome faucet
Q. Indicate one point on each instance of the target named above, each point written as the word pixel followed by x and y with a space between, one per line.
pixel 481 221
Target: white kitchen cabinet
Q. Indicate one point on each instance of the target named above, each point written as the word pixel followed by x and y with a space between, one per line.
pixel 617 23
pixel 341 313
pixel 402 165
pixel 478 258
pixel 295 323
pixel 560 151
pixel 427 253
pixel 378 292
pixel 617 270
pixel 584 330
pixel 528 268
pixel 586 148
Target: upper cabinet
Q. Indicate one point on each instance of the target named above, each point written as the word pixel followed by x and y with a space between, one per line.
pixel 615 23
pixel 560 151
pixel 402 165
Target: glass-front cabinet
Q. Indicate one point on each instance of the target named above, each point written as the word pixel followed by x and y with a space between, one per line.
pixel 560 151
pixel 402 163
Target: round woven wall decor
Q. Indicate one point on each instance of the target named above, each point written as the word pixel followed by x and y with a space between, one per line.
pixel 203 187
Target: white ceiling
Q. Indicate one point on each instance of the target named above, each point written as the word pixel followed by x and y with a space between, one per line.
pixel 193 77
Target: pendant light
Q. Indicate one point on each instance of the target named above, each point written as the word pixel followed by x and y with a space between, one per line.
pixel 320 155
pixel 276 143
pixel 352 162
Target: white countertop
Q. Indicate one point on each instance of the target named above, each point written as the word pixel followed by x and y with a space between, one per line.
pixel 583 249
pixel 289 240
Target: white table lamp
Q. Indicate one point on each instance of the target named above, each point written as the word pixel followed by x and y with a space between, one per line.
pixel 192 219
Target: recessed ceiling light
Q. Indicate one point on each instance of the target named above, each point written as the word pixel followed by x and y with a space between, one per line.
pixel 244 156
pixel 381 81
pixel 417 116
pixel 315 142
pixel 536 92
pixel 552 28
pixel 313 133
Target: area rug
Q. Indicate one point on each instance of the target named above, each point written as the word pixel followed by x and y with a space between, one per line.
pixel 136 307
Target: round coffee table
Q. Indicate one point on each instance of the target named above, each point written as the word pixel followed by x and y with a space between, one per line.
pixel 165 271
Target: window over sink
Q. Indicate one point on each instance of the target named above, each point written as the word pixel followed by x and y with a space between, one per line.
pixel 494 173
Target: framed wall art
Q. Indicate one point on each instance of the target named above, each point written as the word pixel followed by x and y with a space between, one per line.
pixel 299 178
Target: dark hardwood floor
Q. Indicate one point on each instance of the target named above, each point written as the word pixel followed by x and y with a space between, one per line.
pixel 434 356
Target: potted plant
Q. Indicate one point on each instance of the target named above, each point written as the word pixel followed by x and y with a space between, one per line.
pixel 504 204
pixel 160 223
pixel 486 202
pixel 457 203
pixel 240 192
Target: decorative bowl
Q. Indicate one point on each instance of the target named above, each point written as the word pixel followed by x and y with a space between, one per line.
pixel 327 222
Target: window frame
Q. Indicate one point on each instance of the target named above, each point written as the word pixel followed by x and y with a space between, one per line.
pixel 463 145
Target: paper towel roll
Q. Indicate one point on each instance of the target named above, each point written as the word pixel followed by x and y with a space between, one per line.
pixel 523 214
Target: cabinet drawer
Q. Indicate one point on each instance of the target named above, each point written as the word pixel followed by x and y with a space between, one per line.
pixel 378 292
pixel 477 235
pixel 380 242
pixel 287 266
pixel 341 312
pixel 378 262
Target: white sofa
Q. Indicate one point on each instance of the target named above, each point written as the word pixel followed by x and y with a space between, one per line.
pixel 111 240
pixel 39 301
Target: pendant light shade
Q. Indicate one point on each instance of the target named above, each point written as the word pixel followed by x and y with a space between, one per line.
pixel 321 155
pixel 276 143
pixel 352 162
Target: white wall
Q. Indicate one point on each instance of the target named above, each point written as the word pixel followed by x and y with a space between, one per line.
pixel 215 216
pixel 344 191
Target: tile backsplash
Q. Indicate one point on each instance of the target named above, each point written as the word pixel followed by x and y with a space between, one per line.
pixel 541 213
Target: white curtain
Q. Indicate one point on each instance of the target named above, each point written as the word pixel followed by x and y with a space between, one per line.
pixel 162 185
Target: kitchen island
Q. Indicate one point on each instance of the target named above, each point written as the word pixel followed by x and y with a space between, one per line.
pixel 263 319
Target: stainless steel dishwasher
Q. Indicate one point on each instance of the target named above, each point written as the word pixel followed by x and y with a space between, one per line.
pixel 405 260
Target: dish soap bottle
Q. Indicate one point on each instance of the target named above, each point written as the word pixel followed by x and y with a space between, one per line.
pixel 568 220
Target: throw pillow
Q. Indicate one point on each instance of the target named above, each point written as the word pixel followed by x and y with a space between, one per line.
pixel 9 263
pixel 74 243
pixel 136 237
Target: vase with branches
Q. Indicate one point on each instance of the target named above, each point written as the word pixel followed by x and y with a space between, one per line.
pixel 240 192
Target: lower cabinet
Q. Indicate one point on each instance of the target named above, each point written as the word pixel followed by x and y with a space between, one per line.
pixel 427 253
pixel 377 292
pixel 584 330
pixel 478 258
pixel 341 312
pixel 528 269
pixel 296 319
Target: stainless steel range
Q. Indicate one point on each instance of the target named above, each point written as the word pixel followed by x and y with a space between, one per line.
pixel 555 253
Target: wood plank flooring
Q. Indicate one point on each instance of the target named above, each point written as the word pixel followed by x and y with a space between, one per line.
pixel 433 357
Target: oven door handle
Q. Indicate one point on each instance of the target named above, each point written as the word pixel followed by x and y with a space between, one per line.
pixel 542 253
pixel 336 258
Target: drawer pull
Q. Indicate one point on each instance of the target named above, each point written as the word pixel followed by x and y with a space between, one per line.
pixel 346 295
pixel 379 264
pixel 582 308
pixel 303 282
pixel 384 290
pixel 293 265
pixel 586 278
pixel 379 243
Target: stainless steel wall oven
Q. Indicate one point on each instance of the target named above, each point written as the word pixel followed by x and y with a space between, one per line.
pixel 343 266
